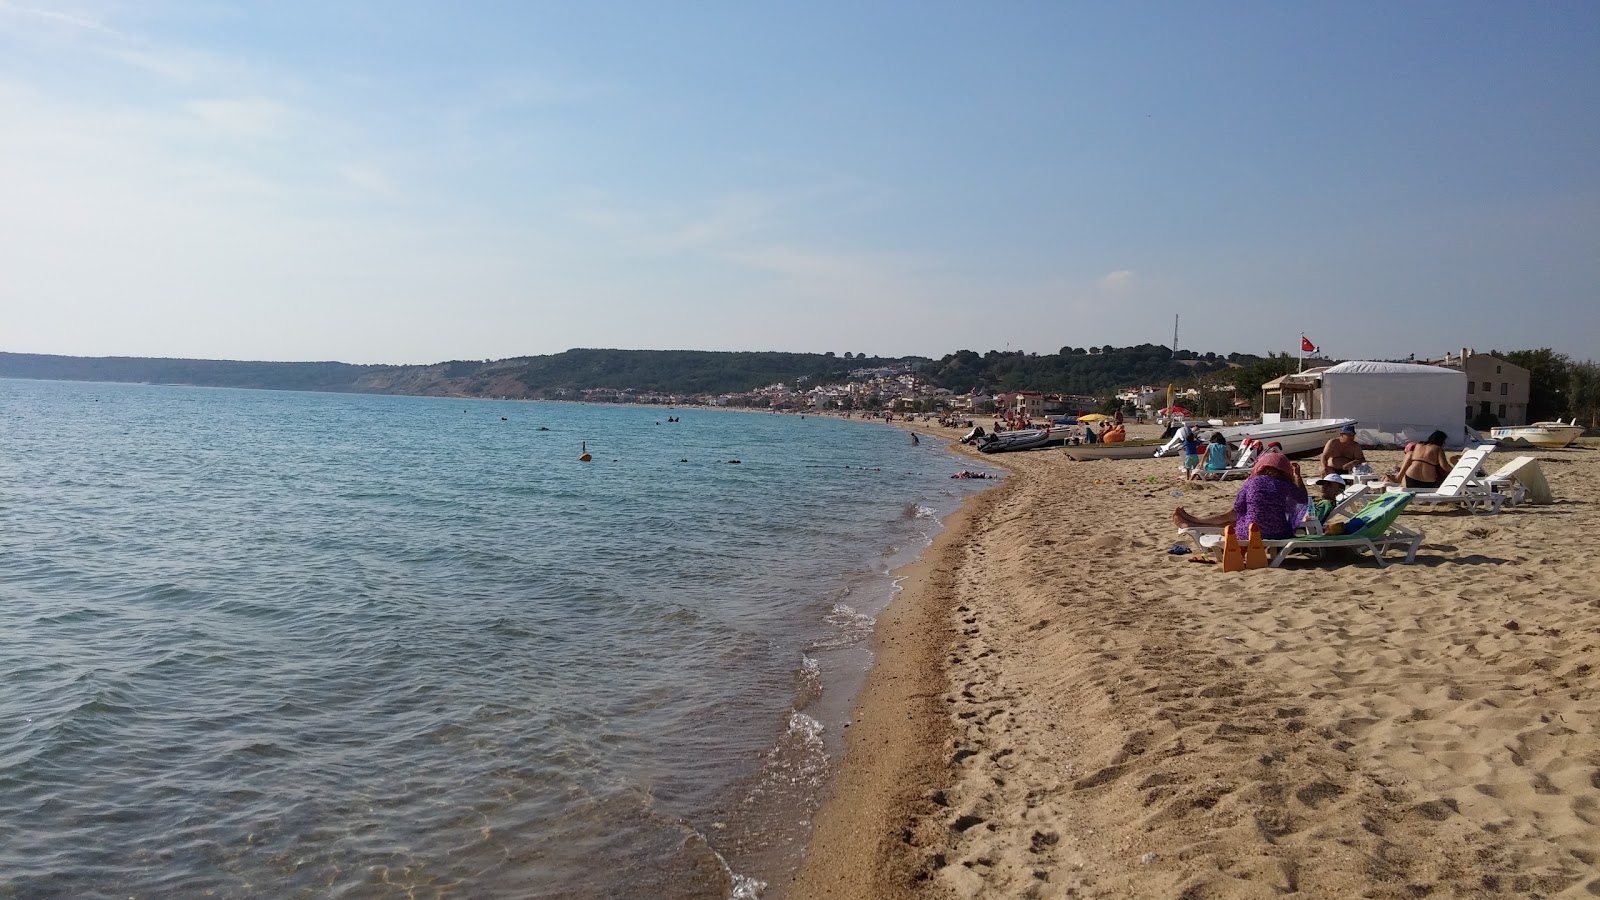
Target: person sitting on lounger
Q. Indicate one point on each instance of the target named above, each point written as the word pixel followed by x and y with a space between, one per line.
pixel 1426 464
pixel 1332 486
pixel 1268 499
pixel 1342 453
pixel 1217 455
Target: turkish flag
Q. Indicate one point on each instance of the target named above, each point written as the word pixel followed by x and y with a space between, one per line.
pixel 1306 345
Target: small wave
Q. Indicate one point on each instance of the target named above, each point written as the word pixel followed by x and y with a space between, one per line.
pixel 745 887
pixel 807 683
pixel 851 629
pixel 101 706
pixel 260 748
pixel 799 758
pixel 842 615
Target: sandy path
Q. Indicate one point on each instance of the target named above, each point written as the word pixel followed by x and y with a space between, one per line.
pixel 1110 720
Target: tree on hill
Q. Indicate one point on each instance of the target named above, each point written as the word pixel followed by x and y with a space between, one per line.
pixel 1095 370
pixel 1583 394
pixel 1549 377
pixel 1249 379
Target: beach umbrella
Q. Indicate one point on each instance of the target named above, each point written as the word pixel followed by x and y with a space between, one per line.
pixel 1176 411
pixel 1093 417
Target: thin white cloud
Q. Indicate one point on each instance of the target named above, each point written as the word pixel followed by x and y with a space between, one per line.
pixel 244 118
pixel 53 17
pixel 1120 280
pixel 731 218
pixel 169 65
pixel 811 264
pixel 367 178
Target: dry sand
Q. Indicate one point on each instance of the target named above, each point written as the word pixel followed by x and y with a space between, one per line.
pixel 1061 709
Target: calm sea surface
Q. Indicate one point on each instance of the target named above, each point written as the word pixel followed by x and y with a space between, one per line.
pixel 277 644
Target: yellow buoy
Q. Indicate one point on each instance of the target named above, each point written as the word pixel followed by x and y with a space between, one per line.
pixel 584 449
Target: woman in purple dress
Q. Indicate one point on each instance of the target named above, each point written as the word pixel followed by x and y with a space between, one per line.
pixel 1268 499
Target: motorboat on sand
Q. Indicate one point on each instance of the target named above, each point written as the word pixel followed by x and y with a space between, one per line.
pixel 1295 436
pixel 1022 439
pixel 1550 435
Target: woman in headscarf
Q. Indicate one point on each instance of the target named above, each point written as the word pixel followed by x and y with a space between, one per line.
pixel 1268 499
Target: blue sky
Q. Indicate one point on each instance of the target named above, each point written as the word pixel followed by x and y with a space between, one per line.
pixel 412 182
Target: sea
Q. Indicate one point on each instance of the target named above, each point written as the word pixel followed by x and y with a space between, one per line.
pixel 280 644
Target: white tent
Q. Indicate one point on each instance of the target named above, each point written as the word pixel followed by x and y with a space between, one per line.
pixel 1394 403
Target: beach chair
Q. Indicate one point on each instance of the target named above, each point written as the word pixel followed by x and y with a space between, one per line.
pixel 1208 540
pixel 1348 499
pixel 1378 535
pixel 1460 487
pixel 1520 479
pixel 1248 451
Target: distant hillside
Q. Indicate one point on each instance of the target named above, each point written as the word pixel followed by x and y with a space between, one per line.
pixel 1097 371
pixel 283 376
pixel 1074 370
pixel 663 371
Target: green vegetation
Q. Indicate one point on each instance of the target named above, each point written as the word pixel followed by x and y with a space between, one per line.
pixel 681 371
pixel 1583 393
pixel 661 371
pixel 1074 370
pixel 1550 380
pixel 284 376
pixel 1559 388
pixel 1095 370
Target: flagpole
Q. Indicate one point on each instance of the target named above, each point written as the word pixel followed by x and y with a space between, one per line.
pixel 1302 353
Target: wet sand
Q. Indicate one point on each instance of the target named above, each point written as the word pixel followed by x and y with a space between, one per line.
pixel 1059 708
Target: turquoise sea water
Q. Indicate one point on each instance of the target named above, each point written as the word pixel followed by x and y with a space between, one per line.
pixel 280 644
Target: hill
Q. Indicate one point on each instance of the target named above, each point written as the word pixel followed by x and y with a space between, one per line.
pixel 681 373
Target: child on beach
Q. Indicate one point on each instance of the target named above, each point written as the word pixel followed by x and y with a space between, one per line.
pixel 1191 454
pixel 1218 457
pixel 1331 485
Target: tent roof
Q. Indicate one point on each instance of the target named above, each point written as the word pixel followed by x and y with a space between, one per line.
pixel 1296 380
pixel 1365 367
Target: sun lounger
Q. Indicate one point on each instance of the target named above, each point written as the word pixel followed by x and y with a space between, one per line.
pixel 1520 479
pixel 1348 499
pixel 1205 538
pixel 1459 487
pixel 1380 534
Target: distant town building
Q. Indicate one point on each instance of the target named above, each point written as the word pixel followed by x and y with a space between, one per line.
pixel 1495 386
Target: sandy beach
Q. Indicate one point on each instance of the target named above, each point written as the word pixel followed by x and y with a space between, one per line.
pixel 1060 708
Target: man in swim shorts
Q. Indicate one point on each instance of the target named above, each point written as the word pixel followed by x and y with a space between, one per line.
pixel 1342 453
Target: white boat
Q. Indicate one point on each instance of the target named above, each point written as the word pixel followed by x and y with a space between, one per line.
pixel 1118 450
pixel 1028 439
pixel 1554 435
pixel 1294 435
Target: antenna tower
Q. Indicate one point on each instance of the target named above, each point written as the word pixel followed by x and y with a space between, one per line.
pixel 1174 335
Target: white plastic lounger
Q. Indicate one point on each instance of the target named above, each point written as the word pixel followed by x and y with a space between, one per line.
pixel 1459 487
pixel 1208 540
pixel 1379 535
pixel 1521 479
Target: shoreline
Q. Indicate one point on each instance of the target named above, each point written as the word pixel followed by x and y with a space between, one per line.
pixel 893 762
pixel 1104 718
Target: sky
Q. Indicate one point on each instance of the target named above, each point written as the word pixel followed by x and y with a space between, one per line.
pixel 410 182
